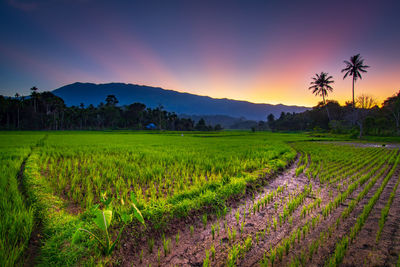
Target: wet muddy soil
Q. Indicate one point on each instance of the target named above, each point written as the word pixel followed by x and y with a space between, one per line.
pixel 365 250
pixel 190 250
pixel 195 239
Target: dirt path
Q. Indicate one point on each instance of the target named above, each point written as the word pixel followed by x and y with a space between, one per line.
pixel 35 241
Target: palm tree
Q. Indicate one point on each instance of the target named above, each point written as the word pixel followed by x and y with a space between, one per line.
pixel 353 68
pixel 321 85
pixel 34 96
pixel 18 102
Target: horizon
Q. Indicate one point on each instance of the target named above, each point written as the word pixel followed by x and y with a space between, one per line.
pixel 259 52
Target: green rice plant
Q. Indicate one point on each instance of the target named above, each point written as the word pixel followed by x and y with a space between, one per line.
pixel 141 256
pixel 213 231
pixel 212 249
pixel 280 251
pixel 272 256
pixel 229 233
pixel 293 238
pixel 151 245
pixel 204 218
pixel 177 238
pixel 233 235
pixel 225 211
pixel 166 245
pixel 237 216
pixel 264 261
pixel 303 258
pixel 233 255
pixel 206 261
pixel 287 246
pixel 191 230
pixel 298 235
pixel 385 211
pixel 248 243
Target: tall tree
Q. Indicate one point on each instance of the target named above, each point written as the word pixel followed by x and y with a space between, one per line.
pixel 34 96
pixel 353 68
pixel 111 100
pixel 18 104
pixel 320 85
pixel 365 101
pixel 393 105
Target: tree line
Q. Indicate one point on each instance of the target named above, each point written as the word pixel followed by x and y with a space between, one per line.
pixel 360 116
pixel 46 111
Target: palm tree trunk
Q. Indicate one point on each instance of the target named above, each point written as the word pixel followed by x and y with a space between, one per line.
pixel 353 93
pixel 327 110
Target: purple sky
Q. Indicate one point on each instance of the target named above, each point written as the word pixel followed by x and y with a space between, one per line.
pixel 261 51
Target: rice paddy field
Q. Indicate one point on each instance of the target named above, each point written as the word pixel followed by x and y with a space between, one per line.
pixel 197 199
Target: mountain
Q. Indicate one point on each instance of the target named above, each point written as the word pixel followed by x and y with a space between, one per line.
pixel 180 103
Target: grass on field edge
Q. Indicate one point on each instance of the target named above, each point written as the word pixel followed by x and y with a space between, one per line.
pixel 59 228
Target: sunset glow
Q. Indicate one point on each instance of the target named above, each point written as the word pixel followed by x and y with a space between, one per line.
pixel 263 53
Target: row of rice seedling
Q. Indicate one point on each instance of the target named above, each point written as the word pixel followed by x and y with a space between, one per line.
pixel 17 217
pixel 364 164
pixel 385 210
pixel 288 205
pixel 314 246
pixel 344 243
pixel 311 223
pixel 360 163
pixel 334 166
pixel 358 181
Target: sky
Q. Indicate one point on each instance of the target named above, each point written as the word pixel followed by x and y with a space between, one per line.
pixel 259 51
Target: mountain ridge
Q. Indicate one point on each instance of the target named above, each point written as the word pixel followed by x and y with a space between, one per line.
pixel 171 100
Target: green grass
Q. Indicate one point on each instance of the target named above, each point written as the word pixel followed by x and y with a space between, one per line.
pixel 17 218
pixel 171 176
